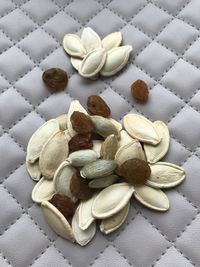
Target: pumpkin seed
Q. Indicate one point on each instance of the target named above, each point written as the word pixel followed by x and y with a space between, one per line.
pixel 34 170
pixel 62 179
pixel 130 151
pixel 112 40
pixel 90 39
pixel 57 221
pixel 97 146
pixel 141 128
pixel 116 59
pixel 85 213
pixel 75 106
pixel 67 135
pixel 98 168
pixel 82 157
pixel 93 63
pixel 111 224
pixel 109 147
pixel 43 190
pixel 165 175
pixel 39 138
pixel 62 121
pixel 152 198
pixel 82 237
pixel 111 200
pixel 53 153
pixel 73 46
pixel 103 126
pixel 103 182
pixel 117 124
pixel 125 138
pixel 76 62
pixel 155 153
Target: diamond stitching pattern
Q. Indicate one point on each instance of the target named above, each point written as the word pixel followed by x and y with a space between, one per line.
pixel 173 75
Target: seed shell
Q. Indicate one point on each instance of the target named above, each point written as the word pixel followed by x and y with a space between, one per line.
pixel 43 190
pixel 111 224
pixel 90 39
pixel 111 200
pixel 112 40
pixel 141 128
pixel 73 46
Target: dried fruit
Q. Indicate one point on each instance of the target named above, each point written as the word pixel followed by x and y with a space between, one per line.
pixel 97 106
pixel 140 91
pixel 79 187
pixel 55 79
pixel 64 204
pixel 80 141
pixel 81 123
pixel 135 171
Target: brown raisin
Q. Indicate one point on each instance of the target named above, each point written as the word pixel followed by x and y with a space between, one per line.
pixel 79 187
pixel 55 79
pixel 135 171
pixel 80 141
pixel 140 91
pixel 64 204
pixel 81 123
pixel 97 106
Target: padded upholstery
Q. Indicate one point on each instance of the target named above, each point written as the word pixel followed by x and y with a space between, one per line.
pixel 166 40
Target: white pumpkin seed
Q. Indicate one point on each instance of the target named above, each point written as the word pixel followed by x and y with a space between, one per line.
pixel 76 62
pixel 75 106
pixel 57 221
pixel 93 63
pixel 112 40
pixel 82 157
pixel 62 179
pixel 43 190
pixel 117 124
pixel 141 128
pixel 73 46
pixel 62 120
pixel 103 182
pixel 82 237
pixel 155 153
pixel 165 175
pixel 67 135
pixel 85 213
pixel 53 153
pixel 111 224
pixel 34 170
pixel 98 169
pixel 109 147
pixel 111 200
pixel 116 59
pixel 103 126
pixel 130 151
pixel 97 146
pixel 152 198
pixel 90 39
pixel 125 138
pixel 39 138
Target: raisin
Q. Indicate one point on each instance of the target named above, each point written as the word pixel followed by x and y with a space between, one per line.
pixel 96 136
pixel 64 204
pixel 55 79
pixel 81 123
pixel 79 187
pixel 135 171
pixel 97 106
pixel 80 141
pixel 140 91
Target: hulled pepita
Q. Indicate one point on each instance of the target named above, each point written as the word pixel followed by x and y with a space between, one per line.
pixel 82 157
pixel 109 147
pixel 111 224
pixel 155 153
pixel 57 221
pixel 141 128
pixel 43 190
pixel 98 168
pixel 97 146
pixel 103 182
pixel 111 200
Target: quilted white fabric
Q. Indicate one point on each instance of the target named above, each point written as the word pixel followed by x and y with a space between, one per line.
pixel 166 40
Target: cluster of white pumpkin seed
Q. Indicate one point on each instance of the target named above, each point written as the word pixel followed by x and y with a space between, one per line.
pixel 90 56
pixel 50 163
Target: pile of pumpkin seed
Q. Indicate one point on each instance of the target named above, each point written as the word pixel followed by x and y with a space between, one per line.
pixel 52 166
